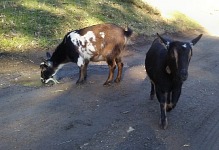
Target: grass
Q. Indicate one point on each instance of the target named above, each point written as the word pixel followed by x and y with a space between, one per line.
pixel 41 24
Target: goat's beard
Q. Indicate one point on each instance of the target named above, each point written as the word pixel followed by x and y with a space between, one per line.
pixel 51 79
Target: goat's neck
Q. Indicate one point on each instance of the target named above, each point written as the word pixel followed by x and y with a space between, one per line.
pixel 171 70
pixel 58 59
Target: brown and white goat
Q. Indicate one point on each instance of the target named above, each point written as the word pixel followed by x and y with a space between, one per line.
pixel 102 42
pixel 167 67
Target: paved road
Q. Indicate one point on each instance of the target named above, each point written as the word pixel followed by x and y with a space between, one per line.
pixel 119 117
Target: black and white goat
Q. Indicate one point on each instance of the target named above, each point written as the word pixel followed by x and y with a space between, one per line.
pixel 167 67
pixel 102 42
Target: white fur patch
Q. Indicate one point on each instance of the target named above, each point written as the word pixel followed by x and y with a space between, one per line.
pixel 59 67
pixel 80 61
pixel 51 79
pixel 84 44
pixel 168 44
pixel 176 57
pixel 102 34
pixel 75 37
pixel 184 45
pixel 102 45
pixel 42 63
pixel 126 39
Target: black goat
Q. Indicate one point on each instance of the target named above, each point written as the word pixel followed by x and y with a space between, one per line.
pixel 102 42
pixel 167 67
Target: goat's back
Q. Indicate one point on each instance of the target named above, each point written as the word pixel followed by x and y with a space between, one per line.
pixel 155 60
pixel 108 32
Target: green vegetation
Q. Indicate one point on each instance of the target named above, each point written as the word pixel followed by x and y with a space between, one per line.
pixel 41 24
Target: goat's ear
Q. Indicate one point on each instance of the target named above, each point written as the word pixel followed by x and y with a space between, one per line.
pixel 43 59
pixel 167 43
pixel 194 41
pixel 48 55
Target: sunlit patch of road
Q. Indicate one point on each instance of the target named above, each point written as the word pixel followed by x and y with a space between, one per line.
pixel 204 12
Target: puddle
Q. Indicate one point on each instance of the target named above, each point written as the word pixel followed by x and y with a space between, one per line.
pixel 31 81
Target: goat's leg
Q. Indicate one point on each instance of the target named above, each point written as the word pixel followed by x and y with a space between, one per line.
pixel 120 67
pixel 175 96
pixel 161 96
pixel 112 67
pixel 152 94
pixel 163 119
pixel 85 69
pixel 82 74
pixel 169 102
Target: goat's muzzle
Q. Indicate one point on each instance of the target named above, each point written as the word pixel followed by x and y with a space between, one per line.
pixel 50 80
pixel 183 74
pixel 42 80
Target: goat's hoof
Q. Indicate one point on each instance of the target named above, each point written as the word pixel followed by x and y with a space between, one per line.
pixel 117 80
pixel 85 77
pixel 164 127
pixel 107 83
pixel 151 97
pixel 168 109
pixel 164 124
pixel 79 82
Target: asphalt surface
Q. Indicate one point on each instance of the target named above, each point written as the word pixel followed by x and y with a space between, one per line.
pixel 119 117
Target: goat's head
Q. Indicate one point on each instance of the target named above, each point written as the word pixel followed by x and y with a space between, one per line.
pixel 179 56
pixel 47 70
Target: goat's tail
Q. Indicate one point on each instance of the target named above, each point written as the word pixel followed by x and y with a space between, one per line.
pixel 128 32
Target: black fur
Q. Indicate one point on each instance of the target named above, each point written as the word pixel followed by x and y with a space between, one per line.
pixel 167 64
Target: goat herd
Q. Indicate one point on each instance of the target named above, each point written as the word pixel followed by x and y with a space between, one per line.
pixel 166 61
